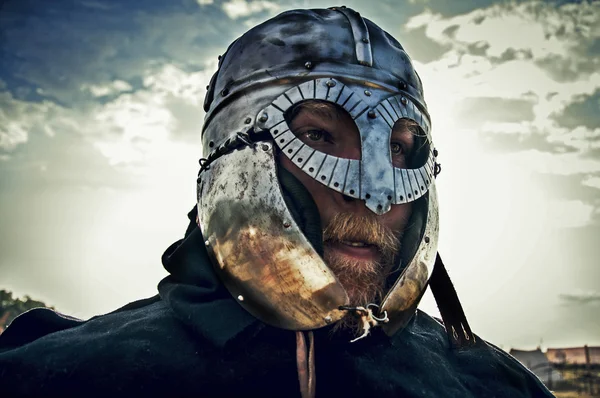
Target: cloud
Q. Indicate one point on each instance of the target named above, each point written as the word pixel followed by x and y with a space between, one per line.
pixel 581 298
pixel 584 110
pixel 592 181
pixel 236 9
pixel 75 54
pixel 129 128
pixel 479 110
pixel 112 88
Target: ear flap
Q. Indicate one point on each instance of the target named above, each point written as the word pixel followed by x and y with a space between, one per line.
pixel 303 208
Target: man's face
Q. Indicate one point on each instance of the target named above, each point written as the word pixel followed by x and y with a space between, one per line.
pixel 359 246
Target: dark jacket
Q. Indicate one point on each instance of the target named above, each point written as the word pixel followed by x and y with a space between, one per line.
pixel 193 339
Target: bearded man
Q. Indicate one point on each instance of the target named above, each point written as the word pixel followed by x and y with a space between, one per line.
pixel 312 242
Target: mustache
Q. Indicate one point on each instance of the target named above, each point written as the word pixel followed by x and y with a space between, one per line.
pixel 363 228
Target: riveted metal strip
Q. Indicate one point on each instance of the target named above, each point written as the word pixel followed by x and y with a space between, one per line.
pixel 302 156
pixel 284 139
pixel 352 180
pixel 292 148
pixel 313 165
pixel 362 42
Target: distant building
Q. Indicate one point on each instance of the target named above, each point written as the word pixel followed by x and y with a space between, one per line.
pixel 574 355
pixel 538 363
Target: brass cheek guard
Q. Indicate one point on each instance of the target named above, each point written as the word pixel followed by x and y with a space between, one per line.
pixel 258 251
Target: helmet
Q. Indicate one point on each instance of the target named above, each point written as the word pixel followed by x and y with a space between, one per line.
pixel 261 246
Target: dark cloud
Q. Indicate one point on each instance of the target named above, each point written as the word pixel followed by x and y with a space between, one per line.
pixel 473 112
pixel 569 187
pixel 583 111
pixel 500 142
pixel 511 54
pixel 420 47
pixel 450 31
pixel 58 46
pixel 569 69
pixel 580 298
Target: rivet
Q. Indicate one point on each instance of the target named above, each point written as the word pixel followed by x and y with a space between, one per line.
pixel 265 147
pixel 248 120
pixel 308 64
pixel 287 224
pixel 367 93
pixel 328 319
pixel 389 197
pixel 372 115
pixel 435 153
pixel 368 196
pixel 379 207
pixel 224 92
pixel 330 83
pixel 206 243
pixel 211 144
pixel 404 100
pixel 426 239
pixel 241 298
pixel 365 40
pixel 263 118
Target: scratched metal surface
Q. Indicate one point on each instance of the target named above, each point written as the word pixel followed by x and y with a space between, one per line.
pixel 260 253
pixel 269 61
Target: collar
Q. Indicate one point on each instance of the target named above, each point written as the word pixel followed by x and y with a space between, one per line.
pixel 199 299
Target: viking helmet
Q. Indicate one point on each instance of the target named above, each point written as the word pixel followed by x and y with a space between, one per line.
pixel 259 247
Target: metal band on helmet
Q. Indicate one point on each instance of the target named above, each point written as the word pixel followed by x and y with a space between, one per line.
pixel 258 249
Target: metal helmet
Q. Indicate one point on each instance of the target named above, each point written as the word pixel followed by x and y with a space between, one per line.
pixel 257 246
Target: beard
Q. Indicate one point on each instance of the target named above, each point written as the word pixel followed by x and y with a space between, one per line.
pixel 363 280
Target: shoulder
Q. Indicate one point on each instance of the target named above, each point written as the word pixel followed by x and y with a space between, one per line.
pixel 46 352
pixel 481 369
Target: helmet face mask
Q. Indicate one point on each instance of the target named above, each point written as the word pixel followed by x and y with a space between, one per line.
pixel 258 249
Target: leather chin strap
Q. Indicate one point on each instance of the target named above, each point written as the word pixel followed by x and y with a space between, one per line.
pixel 305 361
pixel 457 328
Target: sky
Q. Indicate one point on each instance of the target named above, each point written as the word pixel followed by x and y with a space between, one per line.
pixel 100 121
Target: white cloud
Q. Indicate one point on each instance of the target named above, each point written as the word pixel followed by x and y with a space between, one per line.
pixel 593 182
pixel 536 27
pixel 474 67
pixel 115 87
pixel 18 119
pixel 135 127
pixel 240 8
pixel 204 2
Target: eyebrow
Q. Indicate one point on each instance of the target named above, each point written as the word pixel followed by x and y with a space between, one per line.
pixel 318 108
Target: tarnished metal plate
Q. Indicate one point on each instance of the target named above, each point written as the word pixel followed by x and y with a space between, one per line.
pixel 258 250
pixel 373 178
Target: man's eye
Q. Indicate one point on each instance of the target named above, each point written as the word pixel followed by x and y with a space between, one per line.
pixel 396 148
pixel 314 135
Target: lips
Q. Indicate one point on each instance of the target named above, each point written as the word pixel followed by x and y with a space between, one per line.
pixel 355 244
pixel 355 249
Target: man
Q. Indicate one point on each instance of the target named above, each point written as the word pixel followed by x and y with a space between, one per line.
pixel 313 240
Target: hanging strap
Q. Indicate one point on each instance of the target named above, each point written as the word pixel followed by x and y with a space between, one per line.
pixel 306 368
pixel 457 328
